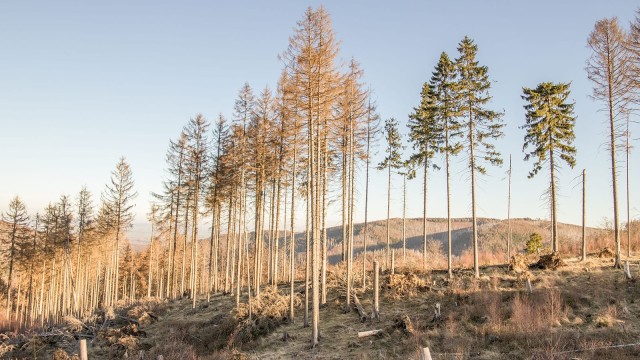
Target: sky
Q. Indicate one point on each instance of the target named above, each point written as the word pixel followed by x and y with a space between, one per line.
pixel 84 83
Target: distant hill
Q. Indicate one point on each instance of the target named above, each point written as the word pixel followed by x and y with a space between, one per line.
pixel 492 235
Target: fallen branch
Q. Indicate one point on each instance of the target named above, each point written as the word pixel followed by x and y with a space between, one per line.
pixel 134 321
pixel 361 312
pixel 597 348
pixel 362 334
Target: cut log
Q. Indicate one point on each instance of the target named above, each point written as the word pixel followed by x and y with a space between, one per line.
pixel 426 354
pixel 362 334
pixel 83 349
pixel 359 308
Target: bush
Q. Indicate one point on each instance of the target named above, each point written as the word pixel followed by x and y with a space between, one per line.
pixel 534 243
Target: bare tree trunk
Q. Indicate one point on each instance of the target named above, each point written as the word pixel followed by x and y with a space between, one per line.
pixel 292 245
pixel 388 251
pixel 424 214
pixel 627 149
pixel 554 221
pixel 449 267
pixel 509 235
pixel 614 177
pixel 366 210
pixel 474 226
pixel 184 247
pixel 404 217
pixel 584 215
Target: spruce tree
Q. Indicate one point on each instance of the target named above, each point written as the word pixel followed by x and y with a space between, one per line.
pixel 118 200
pixel 446 104
pixel 425 132
pixel 481 124
pixel 549 126
pixel 392 161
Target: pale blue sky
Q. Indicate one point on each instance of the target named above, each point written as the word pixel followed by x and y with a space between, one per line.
pixel 83 83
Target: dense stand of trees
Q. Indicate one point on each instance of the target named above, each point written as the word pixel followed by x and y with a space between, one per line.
pixel 284 152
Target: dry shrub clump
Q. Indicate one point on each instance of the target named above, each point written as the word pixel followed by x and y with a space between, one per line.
pixel 269 304
pixel 487 308
pixel 536 312
pixel 607 317
pixel 519 264
pixel 402 285
pixel 268 311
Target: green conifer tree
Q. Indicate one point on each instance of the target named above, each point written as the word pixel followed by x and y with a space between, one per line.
pixel 481 124
pixel 549 126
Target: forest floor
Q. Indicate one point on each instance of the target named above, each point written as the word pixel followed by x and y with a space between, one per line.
pixel 579 310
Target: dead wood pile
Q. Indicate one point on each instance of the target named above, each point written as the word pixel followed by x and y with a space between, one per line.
pixel 402 285
pixel 519 264
pixel 550 261
pixel 606 253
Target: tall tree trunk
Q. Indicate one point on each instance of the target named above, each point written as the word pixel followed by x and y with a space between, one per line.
pixel 292 244
pixel 366 206
pixel 509 235
pixel 184 247
pixel 614 175
pixel 404 217
pixel 554 219
pixel 388 247
pixel 584 215
pixel 449 267
pixel 627 149
pixel 476 267
pixel 424 214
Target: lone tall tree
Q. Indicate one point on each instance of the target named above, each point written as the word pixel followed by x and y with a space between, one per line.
pixel 392 161
pixel 118 199
pixel 549 125
pixel 482 125
pixel 609 68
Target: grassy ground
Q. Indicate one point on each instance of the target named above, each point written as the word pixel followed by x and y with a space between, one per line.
pixel 576 311
pixel 579 306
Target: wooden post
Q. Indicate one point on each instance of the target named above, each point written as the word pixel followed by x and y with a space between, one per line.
pixel 83 349
pixel 627 270
pixel 426 354
pixel 376 287
pixel 393 261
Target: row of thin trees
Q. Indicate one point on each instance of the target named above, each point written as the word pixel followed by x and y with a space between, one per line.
pixel 67 261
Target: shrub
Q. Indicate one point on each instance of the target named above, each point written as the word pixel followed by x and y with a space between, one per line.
pixel 534 243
